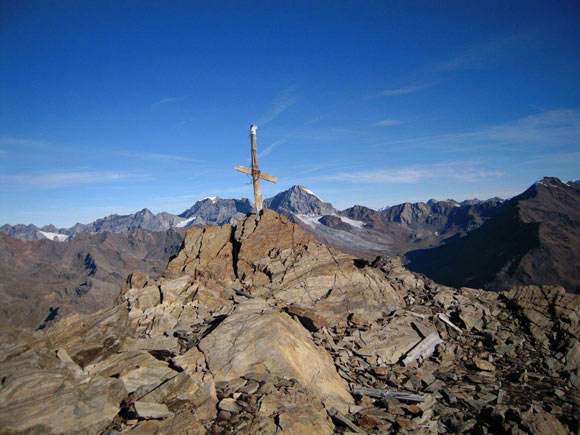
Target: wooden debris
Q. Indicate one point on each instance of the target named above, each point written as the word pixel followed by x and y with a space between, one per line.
pixel 65 358
pixel 424 349
pixel 500 396
pixel 244 294
pixel 445 319
pixel 343 419
pixel 385 394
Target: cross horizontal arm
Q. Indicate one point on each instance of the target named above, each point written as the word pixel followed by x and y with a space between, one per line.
pixel 244 170
pixel 268 177
pixel 263 175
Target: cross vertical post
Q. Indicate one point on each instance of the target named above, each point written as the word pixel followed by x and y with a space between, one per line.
pixel 255 169
pixel 255 172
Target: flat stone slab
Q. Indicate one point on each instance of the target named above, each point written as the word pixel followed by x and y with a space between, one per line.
pixel 152 411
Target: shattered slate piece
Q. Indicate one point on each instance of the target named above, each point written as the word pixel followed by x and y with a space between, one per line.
pixel 152 410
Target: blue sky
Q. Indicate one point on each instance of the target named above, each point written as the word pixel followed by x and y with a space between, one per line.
pixel 113 106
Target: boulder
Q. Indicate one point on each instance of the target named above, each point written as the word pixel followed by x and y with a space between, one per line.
pixel 151 410
pixel 53 401
pixel 391 340
pixel 184 422
pixel 207 254
pixel 261 340
pixel 297 413
pixel 91 338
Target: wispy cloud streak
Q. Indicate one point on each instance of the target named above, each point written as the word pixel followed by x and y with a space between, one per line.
pixel 401 91
pixel 550 129
pixel 54 180
pixel 167 101
pixel 157 156
pixel 387 123
pixel 460 170
pixel 283 101
pixel 317 119
pixel 273 146
pixel 483 55
pixel 19 141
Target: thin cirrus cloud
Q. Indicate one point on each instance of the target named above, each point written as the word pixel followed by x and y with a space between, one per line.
pixel 283 101
pixel 459 170
pixel 401 91
pixel 549 129
pixel 167 101
pixel 55 180
pixel 157 157
pixel 273 146
pixel 483 55
pixel 22 142
pixel 387 123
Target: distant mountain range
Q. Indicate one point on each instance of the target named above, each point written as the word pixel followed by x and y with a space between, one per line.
pixel 210 211
pixel 358 230
pixel 534 238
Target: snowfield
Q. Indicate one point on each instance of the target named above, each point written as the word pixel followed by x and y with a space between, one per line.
pixel 184 223
pixel 352 222
pixel 55 236
pixel 310 192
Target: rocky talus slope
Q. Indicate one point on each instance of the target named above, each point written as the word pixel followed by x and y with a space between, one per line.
pixel 260 329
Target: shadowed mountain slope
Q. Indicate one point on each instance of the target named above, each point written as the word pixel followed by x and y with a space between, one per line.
pixel 45 279
pixel 534 239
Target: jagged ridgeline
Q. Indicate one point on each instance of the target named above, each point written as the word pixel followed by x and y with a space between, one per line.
pixel 259 328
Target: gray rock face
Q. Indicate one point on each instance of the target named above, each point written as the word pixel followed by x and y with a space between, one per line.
pixel 211 211
pixel 443 217
pixel 217 211
pixel 143 219
pixel 299 200
pixel 22 232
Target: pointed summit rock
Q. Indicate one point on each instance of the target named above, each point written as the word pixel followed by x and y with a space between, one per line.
pixel 217 211
pixel 275 259
pixel 299 200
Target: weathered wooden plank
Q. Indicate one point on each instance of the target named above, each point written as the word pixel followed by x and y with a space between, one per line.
pixel 244 170
pixel 445 319
pixel 380 394
pixel 76 370
pixel 344 420
pixel 500 396
pixel 268 177
pixel 244 294
pixel 255 172
pixel 424 349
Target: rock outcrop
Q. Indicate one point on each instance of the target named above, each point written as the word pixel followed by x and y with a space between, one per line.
pixel 258 328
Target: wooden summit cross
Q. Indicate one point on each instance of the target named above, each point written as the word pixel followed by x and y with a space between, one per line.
pixel 255 172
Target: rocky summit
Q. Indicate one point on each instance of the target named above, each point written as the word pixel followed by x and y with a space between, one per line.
pixel 258 328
